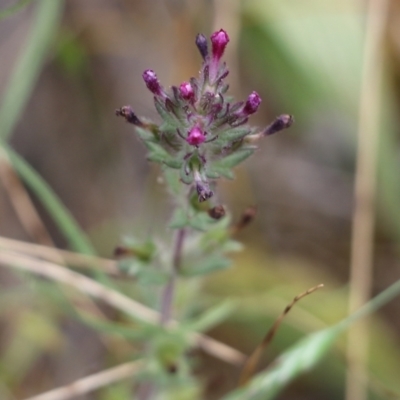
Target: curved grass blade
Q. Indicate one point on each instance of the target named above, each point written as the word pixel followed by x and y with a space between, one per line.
pixel 62 217
pixel 29 65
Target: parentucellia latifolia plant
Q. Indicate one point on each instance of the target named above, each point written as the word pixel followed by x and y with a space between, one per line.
pixel 202 136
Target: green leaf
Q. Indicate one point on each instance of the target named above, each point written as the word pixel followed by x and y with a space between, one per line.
pixel 211 173
pixel 206 265
pixel 212 317
pixel 170 123
pixel 186 178
pixel 173 163
pixel 233 134
pixel 234 159
pixel 156 152
pixel 201 221
pixel 145 134
pixel 216 171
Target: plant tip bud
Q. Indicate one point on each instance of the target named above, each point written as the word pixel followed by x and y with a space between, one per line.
pixel 219 41
pixel 252 103
pixel 201 43
pixel 152 83
pixel 186 91
pixel 195 136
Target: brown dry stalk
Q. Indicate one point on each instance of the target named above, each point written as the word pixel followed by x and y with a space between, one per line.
pixel 22 204
pixel 56 255
pixel 252 361
pixel 90 383
pixel 115 299
pixel 365 192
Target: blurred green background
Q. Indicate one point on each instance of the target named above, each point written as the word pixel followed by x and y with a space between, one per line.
pixel 66 66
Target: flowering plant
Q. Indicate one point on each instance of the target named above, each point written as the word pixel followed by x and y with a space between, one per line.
pixel 203 134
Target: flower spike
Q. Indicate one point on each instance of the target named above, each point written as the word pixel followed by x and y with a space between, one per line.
pixel 204 132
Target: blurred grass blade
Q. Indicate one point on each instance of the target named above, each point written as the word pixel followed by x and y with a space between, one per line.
pixel 377 302
pixel 306 353
pixel 7 12
pixel 29 65
pixel 62 217
pixel 300 358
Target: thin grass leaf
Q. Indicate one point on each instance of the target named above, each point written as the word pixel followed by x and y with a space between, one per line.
pixel 28 67
pixel 62 217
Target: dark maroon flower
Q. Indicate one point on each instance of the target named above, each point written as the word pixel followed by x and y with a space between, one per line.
pixel 219 41
pixel 201 43
pixel 129 115
pixel 202 187
pixel 195 136
pixel 284 121
pixel 186 91
pixel 252 103
pixel 152 83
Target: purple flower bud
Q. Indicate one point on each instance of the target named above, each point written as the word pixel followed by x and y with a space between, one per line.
pixel 195 136
pixel 219 41
pixel 152 83
pixel 201 43
pixel 186 91
pixel 252 104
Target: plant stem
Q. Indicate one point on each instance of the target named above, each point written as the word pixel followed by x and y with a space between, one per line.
pixel 167 296
pixel 146 389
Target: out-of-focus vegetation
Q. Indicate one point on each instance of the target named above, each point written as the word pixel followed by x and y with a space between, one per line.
pixel 65 67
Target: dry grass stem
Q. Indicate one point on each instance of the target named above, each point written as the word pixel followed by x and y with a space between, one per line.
pixel 252 361
pixel 60 256
pixel 365 193
pixel 114 299
pixel 22 204
pixel 90 383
